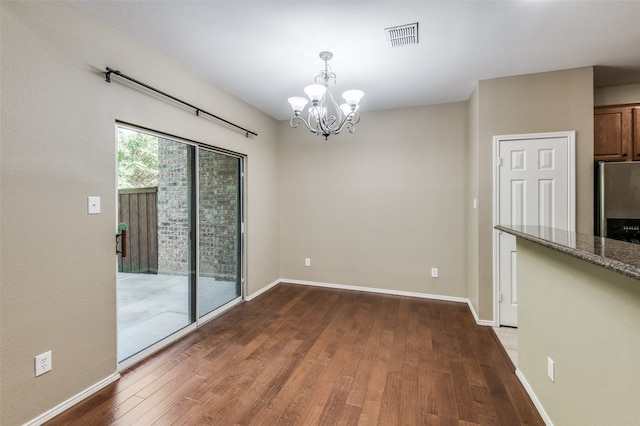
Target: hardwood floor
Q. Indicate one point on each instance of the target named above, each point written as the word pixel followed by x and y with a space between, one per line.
pixel 300 355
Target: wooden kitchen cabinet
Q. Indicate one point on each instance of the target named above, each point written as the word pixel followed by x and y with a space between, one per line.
pixel 613 130
pixel 636 133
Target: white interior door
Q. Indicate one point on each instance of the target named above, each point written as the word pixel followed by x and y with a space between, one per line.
pixel 535 186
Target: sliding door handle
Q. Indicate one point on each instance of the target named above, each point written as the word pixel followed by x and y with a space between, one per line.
pixel 122 228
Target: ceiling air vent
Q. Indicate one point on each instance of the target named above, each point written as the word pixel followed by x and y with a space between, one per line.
pixel 402 35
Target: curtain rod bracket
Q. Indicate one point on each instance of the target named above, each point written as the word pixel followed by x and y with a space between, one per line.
pixel 107 77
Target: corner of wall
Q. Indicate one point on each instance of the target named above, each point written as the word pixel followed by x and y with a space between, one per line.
pixel 534 103
pixel 471 163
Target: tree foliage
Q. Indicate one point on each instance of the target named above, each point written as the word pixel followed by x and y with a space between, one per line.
pixel 137 159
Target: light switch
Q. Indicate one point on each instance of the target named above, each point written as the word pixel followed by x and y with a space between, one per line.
pixel 93 206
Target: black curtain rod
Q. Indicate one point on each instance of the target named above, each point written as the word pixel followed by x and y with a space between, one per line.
pixel 110 71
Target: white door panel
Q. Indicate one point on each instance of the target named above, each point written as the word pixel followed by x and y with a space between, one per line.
pixel 508 269
pixel 534 181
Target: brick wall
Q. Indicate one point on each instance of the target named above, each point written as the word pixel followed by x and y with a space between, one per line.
pixel 173 208
pixel 218 215
pixel 218 176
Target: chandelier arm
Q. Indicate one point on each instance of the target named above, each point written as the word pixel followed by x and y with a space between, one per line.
pixel 326 117
pixel 322 128
pixel 349 122
pixel 338 117
pixel 332 123
pixel 297 120
pixel 315 120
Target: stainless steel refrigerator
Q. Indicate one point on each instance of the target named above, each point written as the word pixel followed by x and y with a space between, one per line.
pixel 617 201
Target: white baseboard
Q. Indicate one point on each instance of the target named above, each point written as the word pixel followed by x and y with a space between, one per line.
pixel 377 290
pixel 534 398
pixel 262 290
pixel 112 378
pixel 391 292
pixel 48 415
pixel 486 323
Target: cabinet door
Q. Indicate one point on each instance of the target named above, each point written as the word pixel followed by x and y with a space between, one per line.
pixel 612 134
pixel 636 134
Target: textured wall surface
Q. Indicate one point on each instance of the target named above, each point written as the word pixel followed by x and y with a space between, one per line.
pixel 219 212
pixel 174 210
pixel 534 103
pixel 58 136
pixel 585 318
pixel 380 207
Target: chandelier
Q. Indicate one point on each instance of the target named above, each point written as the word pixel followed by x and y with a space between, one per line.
pixel 326 117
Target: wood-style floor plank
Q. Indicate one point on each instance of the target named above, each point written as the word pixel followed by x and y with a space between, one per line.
pixel 300 355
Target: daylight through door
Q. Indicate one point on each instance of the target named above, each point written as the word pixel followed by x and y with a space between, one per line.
pixel 181 206
pixel 219 226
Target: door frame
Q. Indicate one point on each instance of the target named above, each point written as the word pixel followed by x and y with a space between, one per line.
pixel 242 249
pixel 201 320
pixel 571 194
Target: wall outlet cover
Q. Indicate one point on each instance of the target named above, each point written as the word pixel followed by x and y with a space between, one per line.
pixel 43 363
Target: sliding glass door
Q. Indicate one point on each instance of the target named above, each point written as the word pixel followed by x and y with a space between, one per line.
pixel 219 236
pixel 181 207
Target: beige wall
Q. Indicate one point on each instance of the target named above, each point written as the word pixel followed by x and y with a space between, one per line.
pixel 379 207
pixel 58 270
pixel 535 103
pixel 472 166
pixel 323 210
pixel 586 319
pixel 614 95
pixel 376 208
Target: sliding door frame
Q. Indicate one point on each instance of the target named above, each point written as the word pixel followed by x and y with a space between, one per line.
pixel 240 250
pixel 194 242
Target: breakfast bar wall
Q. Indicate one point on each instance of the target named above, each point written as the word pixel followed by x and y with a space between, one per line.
pixel 584 318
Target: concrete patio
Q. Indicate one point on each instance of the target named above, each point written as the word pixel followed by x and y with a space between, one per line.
pixel 152 307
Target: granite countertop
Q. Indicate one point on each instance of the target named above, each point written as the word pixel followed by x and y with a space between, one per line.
pixel 618 256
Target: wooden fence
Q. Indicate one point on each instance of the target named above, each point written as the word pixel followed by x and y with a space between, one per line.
pixel 138 208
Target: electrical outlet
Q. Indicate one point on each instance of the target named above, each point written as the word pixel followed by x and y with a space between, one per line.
pixel 307 262
pixel 43 363
pixel 551 369
pixel 434 272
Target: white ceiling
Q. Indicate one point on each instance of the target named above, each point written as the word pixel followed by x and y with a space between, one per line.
pixel 265 51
